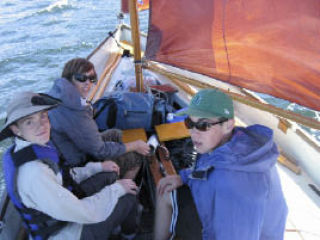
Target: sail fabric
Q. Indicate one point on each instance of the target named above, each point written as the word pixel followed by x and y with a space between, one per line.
pixel 141 5
pixel 267 46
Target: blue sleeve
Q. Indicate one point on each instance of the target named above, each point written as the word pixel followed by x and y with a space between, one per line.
pixel 184 174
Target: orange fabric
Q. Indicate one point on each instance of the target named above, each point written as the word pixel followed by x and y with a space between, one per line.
pixel 266 46
pixel 141 4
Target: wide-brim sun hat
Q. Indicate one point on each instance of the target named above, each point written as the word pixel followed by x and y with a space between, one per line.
pixel 209 103
pixel 24 104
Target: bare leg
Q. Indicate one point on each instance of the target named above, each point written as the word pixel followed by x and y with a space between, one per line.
pixel 163 217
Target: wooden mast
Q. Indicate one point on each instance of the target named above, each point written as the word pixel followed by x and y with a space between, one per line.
pixel 135 34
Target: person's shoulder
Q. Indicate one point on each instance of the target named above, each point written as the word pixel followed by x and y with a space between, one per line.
pixel 260 128
pixel 35 168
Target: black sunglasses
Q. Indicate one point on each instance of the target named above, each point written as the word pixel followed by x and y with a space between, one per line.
pixel 201 125
pixel 82 77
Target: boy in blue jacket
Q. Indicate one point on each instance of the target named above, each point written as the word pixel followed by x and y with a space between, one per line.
pixel 234 182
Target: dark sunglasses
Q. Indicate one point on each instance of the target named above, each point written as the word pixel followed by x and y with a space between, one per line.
pixel 82 77
pixel 201 125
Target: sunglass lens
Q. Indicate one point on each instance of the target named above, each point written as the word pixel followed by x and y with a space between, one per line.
pixel 93 78
pixel 202 126
pixel 80 77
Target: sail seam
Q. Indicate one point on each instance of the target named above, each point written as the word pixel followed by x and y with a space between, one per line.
pixel 224 38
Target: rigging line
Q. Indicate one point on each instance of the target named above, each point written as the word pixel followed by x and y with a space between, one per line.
pixel 118 44
pixel 224 36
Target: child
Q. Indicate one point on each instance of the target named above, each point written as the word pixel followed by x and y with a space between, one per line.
pixel 35 185
pixel 234 183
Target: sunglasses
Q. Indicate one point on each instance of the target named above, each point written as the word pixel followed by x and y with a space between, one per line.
pixel 201 125
pixel 82 77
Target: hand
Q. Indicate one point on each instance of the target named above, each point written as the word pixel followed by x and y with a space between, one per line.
pixel 169 183
pixel 110 166
pixel 139 146
pixel 129 186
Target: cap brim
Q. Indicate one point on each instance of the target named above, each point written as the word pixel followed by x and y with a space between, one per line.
pixel 196 113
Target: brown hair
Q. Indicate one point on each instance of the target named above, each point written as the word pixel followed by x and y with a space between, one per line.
pixel 76 65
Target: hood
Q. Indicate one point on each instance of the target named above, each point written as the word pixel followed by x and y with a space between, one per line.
pixel 67 93
pixel 250 149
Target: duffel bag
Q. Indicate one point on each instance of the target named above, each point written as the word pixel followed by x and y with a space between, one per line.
pixel 124 110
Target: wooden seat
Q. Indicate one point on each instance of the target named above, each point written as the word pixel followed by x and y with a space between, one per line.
pixel 130 135
pixel 171 131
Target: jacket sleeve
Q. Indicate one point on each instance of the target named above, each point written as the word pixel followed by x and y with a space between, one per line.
pixel 41 189
pixel 184 174
pixel 82 129
pixel 81 173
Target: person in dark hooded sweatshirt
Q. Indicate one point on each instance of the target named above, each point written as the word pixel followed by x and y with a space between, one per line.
pixel 74 131
pixel 234 183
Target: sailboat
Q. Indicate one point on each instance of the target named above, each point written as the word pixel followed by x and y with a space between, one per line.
pixel 251 50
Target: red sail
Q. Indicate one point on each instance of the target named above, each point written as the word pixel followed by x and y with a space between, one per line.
pixel 141 4
pixel 266 46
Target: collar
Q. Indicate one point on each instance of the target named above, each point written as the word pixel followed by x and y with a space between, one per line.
pixel 20 143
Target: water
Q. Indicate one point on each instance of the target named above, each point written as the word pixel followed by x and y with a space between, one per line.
pixel 38 37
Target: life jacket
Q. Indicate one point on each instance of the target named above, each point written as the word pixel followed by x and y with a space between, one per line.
pixel 38 224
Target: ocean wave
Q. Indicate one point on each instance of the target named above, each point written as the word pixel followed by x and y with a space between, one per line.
pixel 57 7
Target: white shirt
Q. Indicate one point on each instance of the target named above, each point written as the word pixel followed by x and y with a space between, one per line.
pixel 41 189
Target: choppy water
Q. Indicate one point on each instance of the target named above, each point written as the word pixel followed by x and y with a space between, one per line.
pixel 38 37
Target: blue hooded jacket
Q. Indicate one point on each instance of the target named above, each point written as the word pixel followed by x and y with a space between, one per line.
pixel 237 190
pixel 73 129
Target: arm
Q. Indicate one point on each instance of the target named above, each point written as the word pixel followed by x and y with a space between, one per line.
pixel 82 129
pixel 41 189
pixel 184 174
pixel 81 173
pixel 169 183
pixel 138 146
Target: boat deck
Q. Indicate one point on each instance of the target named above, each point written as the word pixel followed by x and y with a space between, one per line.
pixel 304 207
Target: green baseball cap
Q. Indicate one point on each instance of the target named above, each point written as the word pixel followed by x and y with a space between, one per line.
pixel 208 103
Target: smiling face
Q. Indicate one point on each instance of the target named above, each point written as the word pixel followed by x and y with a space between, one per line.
pixel 84 87
pixel 34 128
pixel 216 135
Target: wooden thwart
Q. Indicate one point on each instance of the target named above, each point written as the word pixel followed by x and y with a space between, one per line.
pixel 171 131
pixel 130 135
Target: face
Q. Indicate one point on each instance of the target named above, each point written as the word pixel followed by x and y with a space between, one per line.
pixel 34 128
pixel 214 136
pixel 84 87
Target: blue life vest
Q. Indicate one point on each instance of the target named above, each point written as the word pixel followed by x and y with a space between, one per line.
pixel 39 225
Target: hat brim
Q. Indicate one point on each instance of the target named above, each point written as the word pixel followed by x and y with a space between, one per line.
pixel 197 113
pixel 6 132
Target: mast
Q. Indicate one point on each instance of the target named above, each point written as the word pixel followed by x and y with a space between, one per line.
pixel 135 34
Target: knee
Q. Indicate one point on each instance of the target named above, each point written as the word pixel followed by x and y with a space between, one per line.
pixel 128 200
